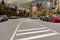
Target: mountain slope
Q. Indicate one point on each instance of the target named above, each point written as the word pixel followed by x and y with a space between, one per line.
pixel 25 3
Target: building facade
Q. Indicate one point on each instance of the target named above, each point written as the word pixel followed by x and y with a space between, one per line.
pixel 34 8
pixel 58 4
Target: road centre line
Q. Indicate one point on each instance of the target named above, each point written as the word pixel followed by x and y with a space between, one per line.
pixel 15 30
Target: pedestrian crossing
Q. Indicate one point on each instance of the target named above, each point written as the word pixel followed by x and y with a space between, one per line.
pixel 30 30
pixel 40 36
pixel 30 34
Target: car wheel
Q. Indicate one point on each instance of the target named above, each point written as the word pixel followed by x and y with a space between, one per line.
pixel 2 20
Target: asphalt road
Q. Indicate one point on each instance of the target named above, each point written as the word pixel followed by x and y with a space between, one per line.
pixel 51 25
pixel 7 28
pixel 29 29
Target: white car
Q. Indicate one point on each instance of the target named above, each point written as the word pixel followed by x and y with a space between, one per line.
pixel 34 17
pixel 13 17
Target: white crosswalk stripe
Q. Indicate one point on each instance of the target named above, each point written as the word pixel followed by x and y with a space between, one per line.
pixel 40 36
pixel 32 32
pixel 36 36
pixel 30 29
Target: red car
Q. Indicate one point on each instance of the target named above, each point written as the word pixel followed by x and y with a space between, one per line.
pixel 54 18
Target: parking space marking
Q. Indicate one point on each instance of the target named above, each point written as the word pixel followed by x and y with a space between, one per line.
pixel 47 27
pixel 32 32
pixel 31 29
pixel 15 30
pixel 39 36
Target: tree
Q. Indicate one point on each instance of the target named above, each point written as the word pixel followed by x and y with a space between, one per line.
pixel 37 14
pixel 43 12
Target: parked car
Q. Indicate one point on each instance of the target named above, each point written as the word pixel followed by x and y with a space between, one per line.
pixel 13 17
pixel 44 18
pixel 5 17
pixel 1 19
pixel 34 17
pixel 54 18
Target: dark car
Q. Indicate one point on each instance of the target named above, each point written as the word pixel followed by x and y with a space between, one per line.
pixel 44 18
pixel 5 17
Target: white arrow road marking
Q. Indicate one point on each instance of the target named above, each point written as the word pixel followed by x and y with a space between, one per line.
pixel 32 32
pixel 30 29
pixel 40 36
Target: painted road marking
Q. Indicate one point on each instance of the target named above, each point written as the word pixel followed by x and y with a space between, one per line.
pixel 34 37
pixel 15 30
pixel 32 32
pixel 40 36
pixel 31 29
pixel 46 27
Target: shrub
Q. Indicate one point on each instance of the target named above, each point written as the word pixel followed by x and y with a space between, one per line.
pixel 37 14
pixel 27 14
pixel 43 12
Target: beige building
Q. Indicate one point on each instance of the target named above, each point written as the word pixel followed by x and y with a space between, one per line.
pixel 38 7
pixel 34 8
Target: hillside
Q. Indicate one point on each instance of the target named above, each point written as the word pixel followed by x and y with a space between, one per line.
pixel 24 3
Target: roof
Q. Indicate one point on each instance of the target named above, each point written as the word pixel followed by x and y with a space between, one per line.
pixel 13 6
pixel 44 4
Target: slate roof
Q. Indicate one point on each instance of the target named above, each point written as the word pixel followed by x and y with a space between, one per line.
pixel 44 4
pixel 13 6
pixel 52 5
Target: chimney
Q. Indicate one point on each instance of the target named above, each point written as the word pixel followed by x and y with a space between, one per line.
pixel 2 2
pixel 15 6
